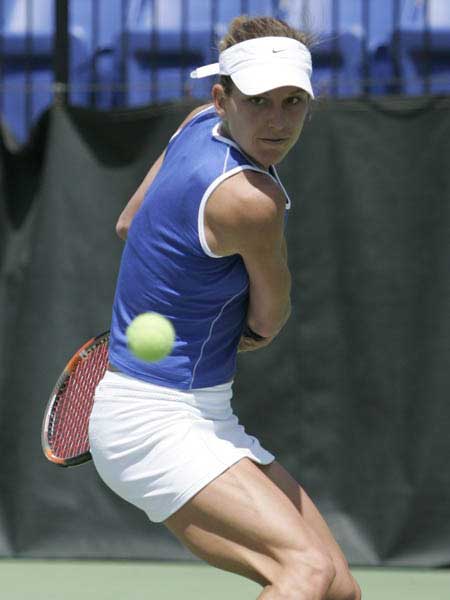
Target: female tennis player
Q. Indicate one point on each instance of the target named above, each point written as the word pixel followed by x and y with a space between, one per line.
pixel 205 247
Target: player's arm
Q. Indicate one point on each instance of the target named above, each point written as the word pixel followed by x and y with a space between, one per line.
pixel 245 216
pixel 126 216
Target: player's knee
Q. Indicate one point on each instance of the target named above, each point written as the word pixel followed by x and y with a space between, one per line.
pixel 349 590
pixel 325 569
pixel 309 572
pixel 356 594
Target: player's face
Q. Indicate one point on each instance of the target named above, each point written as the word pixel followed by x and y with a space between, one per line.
pixel 264 126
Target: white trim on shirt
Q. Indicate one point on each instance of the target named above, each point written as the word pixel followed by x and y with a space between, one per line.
pixel 274 177
pixel 205 198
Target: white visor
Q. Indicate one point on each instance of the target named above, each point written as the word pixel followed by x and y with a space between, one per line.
pixel 262 64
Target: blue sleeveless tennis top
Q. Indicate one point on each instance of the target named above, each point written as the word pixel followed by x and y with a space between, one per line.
pixel 168 268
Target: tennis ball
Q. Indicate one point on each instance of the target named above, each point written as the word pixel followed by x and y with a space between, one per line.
pixel 150 336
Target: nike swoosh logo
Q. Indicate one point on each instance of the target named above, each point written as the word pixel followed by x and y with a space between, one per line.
pixel 276 51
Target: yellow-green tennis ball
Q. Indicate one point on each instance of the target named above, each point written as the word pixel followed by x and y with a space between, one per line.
pixel 150 336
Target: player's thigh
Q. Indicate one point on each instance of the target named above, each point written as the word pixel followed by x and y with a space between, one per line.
pixel 303 503
pixel 243 522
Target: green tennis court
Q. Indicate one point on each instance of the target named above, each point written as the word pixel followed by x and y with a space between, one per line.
pixel 114 580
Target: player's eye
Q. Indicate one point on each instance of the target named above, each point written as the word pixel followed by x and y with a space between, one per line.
pixel 257 100
pixel 294 100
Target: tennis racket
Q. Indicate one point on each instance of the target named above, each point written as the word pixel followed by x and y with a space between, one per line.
pixel 65 440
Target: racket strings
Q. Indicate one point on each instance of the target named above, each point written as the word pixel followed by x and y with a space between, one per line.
pixel 73 406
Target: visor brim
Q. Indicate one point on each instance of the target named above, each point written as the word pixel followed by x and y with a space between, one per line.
pixel 257 80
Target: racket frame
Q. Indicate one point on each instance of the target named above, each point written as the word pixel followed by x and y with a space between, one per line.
pixel 61 384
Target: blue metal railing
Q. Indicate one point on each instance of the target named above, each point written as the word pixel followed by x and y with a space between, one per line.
pixel 111 53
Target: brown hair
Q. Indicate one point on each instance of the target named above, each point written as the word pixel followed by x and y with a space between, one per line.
pixel 245 28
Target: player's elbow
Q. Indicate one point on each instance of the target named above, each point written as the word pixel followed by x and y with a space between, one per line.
pixel 269 322
pixel 122 227
pixel 269 317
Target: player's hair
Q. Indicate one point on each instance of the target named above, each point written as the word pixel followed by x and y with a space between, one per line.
pixel 245 28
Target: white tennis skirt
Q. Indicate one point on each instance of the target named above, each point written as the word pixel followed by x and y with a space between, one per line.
pixel 156 447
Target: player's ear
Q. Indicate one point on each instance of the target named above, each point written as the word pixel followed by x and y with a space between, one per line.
pixel 219 97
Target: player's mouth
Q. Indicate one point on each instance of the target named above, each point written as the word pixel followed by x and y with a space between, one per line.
pixel 275 141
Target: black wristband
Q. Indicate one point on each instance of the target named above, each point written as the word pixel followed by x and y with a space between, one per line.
pixel 249 333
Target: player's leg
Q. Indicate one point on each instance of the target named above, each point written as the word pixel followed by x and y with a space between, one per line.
pixel 244 523
pixel 344 583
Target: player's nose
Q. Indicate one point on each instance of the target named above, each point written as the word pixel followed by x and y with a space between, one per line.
pixel 277 119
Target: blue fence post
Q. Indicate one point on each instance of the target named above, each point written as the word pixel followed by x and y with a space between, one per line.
pixel 2 78
pixel 184 46
pixel 244 7
pixel 154 50
pixel 426 48
pixel 366 71
pixel 28 64
pixel 122 92
pixel 61 51
pixel 335 52
pixel 214 19
pixel 94 45
pixel 397 86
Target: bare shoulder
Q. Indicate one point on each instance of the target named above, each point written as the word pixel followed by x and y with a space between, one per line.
pixel 256 196
pixel 245 210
